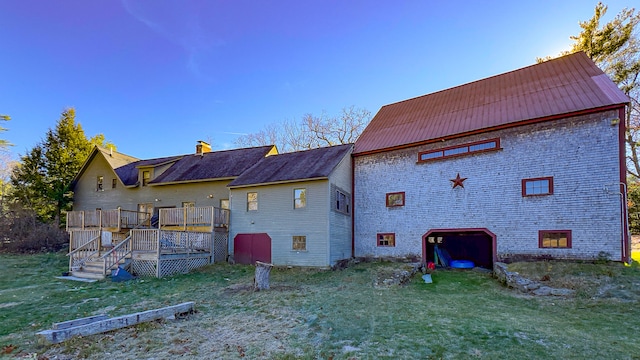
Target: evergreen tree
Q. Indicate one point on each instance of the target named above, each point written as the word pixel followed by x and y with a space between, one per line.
pixel 42 180
pixel 615 47
pixel 4 143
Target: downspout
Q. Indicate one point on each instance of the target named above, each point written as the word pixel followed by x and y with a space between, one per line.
pixel 626 237
pixel 624 222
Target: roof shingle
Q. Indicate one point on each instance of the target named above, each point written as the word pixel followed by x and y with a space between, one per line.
pixel 294 166
pixel 196 167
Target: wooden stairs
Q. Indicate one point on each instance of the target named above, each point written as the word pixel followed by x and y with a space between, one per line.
pixel 94 269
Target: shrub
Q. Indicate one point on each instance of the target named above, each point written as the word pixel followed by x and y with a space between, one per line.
pixel 21 232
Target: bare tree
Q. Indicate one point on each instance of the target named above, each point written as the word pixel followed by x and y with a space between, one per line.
pixel 311 131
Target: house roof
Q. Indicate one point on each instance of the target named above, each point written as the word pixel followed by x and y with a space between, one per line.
pixel 566 85
pixel 128 173
pixel 113 158
pixel 212 165
pixel 294 166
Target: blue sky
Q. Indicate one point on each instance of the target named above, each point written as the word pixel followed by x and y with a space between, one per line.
pixel 156 76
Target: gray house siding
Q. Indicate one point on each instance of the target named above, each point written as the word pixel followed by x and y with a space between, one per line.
pixel 86 196
pixel 339 223
pixel 277 217
pixel 580 153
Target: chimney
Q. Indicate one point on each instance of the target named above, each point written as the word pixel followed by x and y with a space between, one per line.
pixel 202 147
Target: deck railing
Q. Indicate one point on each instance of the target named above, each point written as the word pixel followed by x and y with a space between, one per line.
pixel 114 218
pixel 83 219
pixel 145 239
pixel 121 251
pixel 133 219
pixel 186 217
pixel 159 241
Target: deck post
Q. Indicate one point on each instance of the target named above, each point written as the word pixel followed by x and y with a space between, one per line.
pixel 158 253
pixel 82 222
pixel 184 218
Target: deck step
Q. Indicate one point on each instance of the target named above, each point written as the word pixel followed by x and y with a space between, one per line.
pixel 93 269
pixel 88 275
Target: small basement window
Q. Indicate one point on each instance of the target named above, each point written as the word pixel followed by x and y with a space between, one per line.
pixel 554 238
pixel 299 243
pixel 387 239
pixel 395 199
pixel 537 186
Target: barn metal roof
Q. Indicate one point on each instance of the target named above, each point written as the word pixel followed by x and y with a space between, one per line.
pixel 566 85
pixel 294 166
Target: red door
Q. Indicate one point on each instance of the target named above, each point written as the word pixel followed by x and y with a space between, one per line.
pixel 249 248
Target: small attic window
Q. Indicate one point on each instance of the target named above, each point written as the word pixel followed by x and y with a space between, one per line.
pixel 460 150
pixel 99 182
pixel 114 182
pixel 146 176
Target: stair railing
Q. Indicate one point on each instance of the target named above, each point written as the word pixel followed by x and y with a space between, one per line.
pixel 79 256
pixel 120 251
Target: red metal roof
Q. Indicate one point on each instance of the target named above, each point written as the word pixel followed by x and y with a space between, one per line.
pixel 565 85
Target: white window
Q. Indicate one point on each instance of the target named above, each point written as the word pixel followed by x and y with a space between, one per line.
pixel 299 198
pixel 252 201
pixel 99 181
pixel 299 243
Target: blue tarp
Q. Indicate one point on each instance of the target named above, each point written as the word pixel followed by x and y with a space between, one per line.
pixel 121 274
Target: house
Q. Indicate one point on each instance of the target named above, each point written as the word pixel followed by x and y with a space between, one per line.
pixel 157 216
pixel 175 213
pixel 294 209
pixel 110 180
pixel 530 163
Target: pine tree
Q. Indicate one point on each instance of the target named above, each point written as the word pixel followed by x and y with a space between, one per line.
pixel 42 180
pixel 4 143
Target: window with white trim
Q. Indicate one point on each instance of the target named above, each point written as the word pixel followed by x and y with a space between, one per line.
pixel 299 243
pixel 252 201
pixel 299 198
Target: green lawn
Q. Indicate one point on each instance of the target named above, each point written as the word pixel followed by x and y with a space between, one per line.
pixel 327 314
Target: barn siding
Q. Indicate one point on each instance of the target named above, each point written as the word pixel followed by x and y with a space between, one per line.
pixel 581 153
pixel 277 217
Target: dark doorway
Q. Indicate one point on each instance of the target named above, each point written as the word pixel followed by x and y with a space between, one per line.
pixel 477 245
pixel 249 248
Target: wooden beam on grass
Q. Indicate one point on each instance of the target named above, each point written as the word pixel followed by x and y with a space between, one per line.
pixel 88 326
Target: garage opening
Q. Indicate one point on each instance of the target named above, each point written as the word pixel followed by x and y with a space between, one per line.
pixel 477 245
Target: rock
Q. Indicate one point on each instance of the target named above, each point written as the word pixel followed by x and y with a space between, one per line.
pixel 542 291
pixel 562 292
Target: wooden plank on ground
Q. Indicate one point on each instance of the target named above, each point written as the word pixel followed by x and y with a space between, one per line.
pixel 77 322
pixel 59 335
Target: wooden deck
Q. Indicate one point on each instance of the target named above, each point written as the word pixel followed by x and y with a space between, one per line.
pixel 146 252
pixel 186 238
